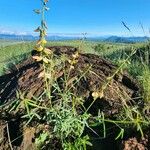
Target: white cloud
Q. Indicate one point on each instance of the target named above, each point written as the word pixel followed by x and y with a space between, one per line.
pixel 10 32
pixel 6 32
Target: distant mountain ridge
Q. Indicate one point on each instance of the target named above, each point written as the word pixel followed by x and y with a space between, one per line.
pixel 117 39
pixel 17 37
pixel 32 38
pixel 113 39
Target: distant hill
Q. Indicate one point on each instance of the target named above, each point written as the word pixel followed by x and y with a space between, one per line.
pixel 17 37
pixel 114 39
pixel 32 38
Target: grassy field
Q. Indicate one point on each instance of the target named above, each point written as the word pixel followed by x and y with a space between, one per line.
pixel 12 51
pixel 4 43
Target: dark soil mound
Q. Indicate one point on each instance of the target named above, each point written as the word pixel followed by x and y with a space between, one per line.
pixel 94 72
pixel 25 78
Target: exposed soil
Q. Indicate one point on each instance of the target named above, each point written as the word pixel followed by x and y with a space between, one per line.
pixel 25 78
pixel 135 142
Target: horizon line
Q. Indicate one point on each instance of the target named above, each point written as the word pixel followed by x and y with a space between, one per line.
pixel 68 34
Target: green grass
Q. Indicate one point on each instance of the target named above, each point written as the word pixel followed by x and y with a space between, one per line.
pixel 4 43
pixel 12 51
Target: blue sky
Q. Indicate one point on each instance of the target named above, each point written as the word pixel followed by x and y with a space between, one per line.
pixel 96 17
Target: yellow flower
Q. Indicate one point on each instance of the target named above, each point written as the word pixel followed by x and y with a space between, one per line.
pixel 38 48
pixel 76 55
pixel 45 60
pixel 48 76
pixel 43 41
pixel 47 51
pixel 71 67
pixel 44 33
pixel 69 61
pixel 74 62
pixel 96 95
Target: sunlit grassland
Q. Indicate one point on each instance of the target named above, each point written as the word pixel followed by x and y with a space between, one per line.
pixel 14 51
pixel 8 42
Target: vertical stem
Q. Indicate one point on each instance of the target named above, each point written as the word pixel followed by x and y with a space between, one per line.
pixel 8 134
pixel 43 17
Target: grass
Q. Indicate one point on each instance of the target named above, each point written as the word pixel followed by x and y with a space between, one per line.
pixel 4 43
pixel 11 52
pixel 144 79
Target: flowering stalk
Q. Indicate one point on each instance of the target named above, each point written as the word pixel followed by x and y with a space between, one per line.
pixel 45 54
pixel 40 45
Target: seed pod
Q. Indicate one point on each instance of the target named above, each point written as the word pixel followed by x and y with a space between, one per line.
pixel 37 58
pixel 37 11
pixel 46 8
pixel 45 60
pixel 37 30
pixel 47 51
pixel 41 75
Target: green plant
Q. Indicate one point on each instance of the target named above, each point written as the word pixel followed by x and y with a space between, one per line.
pixel 144 79
pixel 41 29
pixel 40 141
pixel 63 113
pixel 130 116
pixel 78 144
pixel 100 47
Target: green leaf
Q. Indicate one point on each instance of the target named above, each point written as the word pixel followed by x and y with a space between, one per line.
pixel 41 139
pixel 27 107
pixel 120 135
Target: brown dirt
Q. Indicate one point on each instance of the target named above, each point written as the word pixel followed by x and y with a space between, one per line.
pixel 136 142
pixel 25 78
